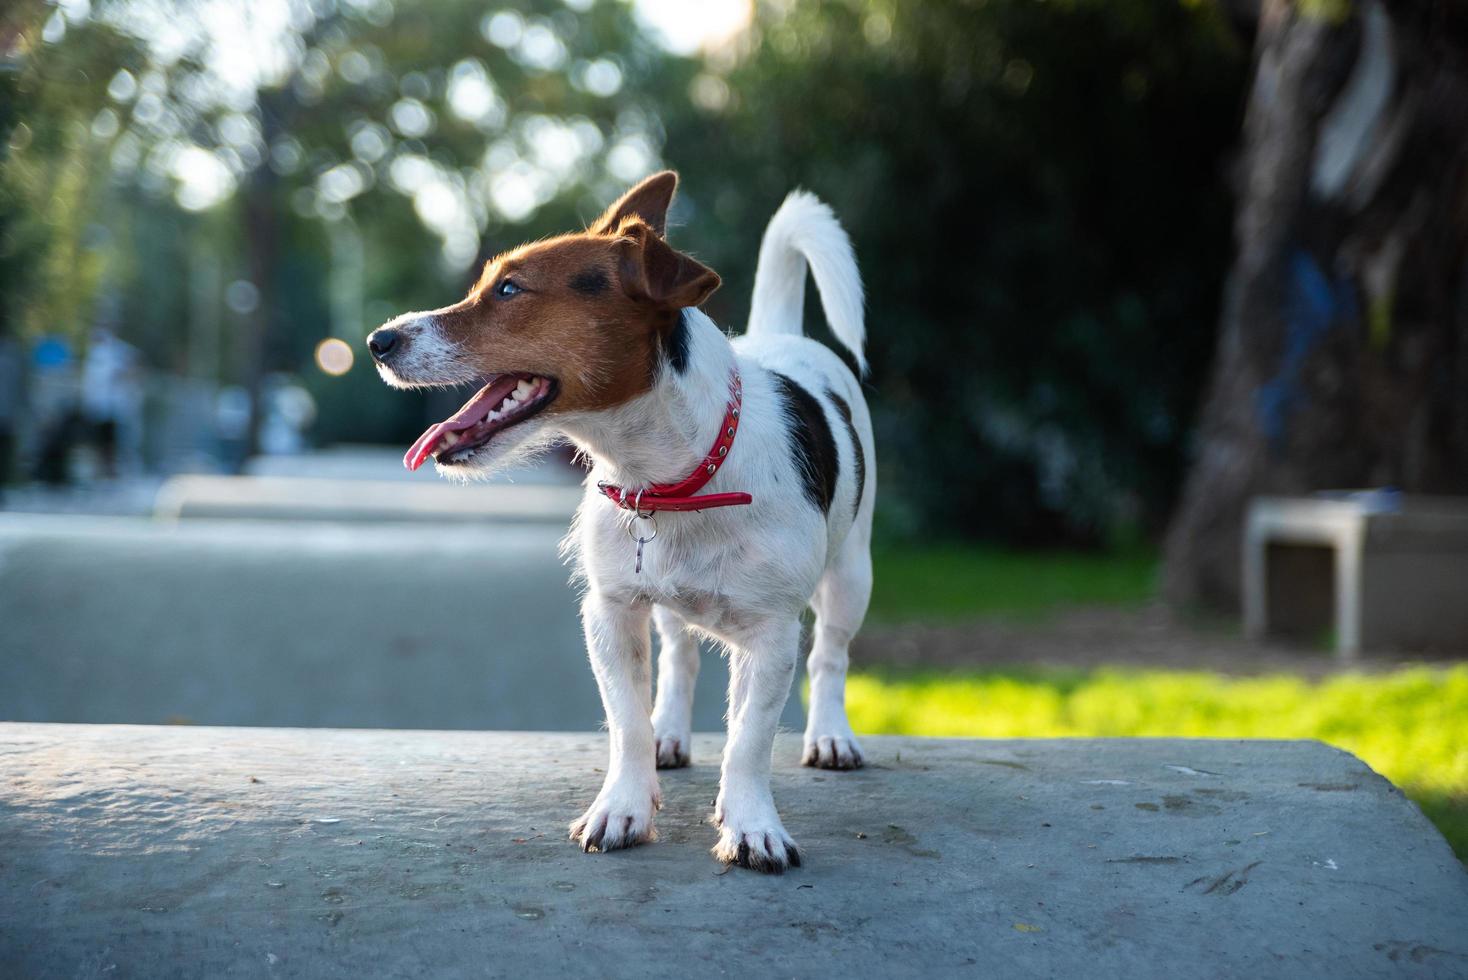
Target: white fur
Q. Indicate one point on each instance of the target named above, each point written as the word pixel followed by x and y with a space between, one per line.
pixel 427 360
pixel 740 575
pixel 804 231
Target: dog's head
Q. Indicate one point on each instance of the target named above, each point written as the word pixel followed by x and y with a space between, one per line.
pixel 569 325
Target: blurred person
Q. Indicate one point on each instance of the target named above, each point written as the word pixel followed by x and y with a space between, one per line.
pixel 232 410
pixel 11 404
pixel 289 412
pixel 111 399
pixel 52 410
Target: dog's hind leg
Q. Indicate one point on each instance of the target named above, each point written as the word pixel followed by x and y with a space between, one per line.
pixel 840 603
pixel 672 713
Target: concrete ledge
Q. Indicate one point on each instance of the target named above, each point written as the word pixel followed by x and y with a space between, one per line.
pixel 311 499
pixel 231 852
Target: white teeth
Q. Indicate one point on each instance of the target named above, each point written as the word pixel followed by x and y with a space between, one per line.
pixel 507 404
pixel 450 439
pixel 523 390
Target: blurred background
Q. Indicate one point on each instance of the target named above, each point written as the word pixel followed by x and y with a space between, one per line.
pixel 1146 278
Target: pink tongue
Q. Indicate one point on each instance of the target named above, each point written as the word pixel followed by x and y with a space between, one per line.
pixel 485 400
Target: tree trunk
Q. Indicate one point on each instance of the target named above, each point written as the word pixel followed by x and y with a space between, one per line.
pixel 1343 349
pixel 261 239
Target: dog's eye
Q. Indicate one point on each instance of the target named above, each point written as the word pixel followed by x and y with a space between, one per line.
pixel 508 287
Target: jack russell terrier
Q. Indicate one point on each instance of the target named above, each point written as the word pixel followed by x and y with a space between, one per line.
pixel 731 483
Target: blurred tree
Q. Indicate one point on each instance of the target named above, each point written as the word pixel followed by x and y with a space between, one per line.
pixel 1038 201
pixel 1035 190
pixel 423 128
pixel 50 258
pixel 1343 354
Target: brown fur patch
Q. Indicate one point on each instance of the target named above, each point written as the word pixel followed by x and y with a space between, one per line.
pixel 601 345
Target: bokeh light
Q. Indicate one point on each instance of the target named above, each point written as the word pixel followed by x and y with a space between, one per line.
pixel 334 356
pixel 688 28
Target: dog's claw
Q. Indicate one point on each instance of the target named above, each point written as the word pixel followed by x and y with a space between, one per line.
pixel 769 852
pixel 672 751
pixel 768 859
pixel 833 752
pixel 592 841
pixel 609 825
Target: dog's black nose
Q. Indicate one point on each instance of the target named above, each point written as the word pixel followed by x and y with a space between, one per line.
pixel 382 342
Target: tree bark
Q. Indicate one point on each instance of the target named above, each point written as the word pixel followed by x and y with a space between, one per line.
pixel 260 240
pixel 1342 356
pixel 261 203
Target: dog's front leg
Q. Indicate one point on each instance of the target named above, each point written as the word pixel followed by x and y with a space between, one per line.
pixel 620 648
pixel 761 668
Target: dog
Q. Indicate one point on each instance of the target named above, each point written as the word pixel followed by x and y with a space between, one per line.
pixel 731 482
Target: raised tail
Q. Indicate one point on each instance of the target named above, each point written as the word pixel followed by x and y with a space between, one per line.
pixel 805 232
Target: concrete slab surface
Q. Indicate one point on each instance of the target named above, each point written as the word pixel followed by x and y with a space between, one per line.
pixel 153 852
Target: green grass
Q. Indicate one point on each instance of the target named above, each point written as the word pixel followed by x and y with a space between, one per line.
pixel 1410 725
pixel 956 583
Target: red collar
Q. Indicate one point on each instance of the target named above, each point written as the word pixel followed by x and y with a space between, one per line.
pixel 679 496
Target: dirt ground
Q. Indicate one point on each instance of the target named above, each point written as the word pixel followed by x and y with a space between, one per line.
pixel 1084 638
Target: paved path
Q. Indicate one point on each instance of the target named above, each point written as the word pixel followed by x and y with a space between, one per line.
pixel 304 623
pixel 157 852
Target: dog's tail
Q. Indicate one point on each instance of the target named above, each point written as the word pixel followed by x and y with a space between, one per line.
pixel 804 231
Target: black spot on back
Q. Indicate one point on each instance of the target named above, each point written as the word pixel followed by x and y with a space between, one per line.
pixel 590 282
pixel 675 345
pixel 861 458
pixel 811 445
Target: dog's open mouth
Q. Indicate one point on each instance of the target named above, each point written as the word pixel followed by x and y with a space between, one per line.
pixel 508 399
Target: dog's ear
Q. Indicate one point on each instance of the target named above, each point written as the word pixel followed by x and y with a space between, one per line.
pixel 649 201
pixel 654 271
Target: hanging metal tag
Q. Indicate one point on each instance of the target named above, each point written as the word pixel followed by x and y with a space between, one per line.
pixel 648 531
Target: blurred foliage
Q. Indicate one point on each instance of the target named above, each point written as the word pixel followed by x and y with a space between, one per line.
pixel 217 143
pixel 49 260
pixel 954 583
pixel 1409 725
pixel 1036 191
pixel 1038 198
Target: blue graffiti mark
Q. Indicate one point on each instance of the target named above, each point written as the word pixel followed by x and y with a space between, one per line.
pixel 1313 306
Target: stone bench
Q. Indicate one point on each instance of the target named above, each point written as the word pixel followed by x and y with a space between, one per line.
pixel 139 851
pixel 1373 571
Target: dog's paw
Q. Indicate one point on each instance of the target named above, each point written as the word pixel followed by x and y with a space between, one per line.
pixel 752 836
pixel 769 849
pixel 673 748
pixel 839 751
pixel 617 819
